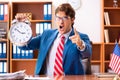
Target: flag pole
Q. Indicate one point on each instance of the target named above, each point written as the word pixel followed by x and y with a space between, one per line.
pixel 119 40
pixel 116 41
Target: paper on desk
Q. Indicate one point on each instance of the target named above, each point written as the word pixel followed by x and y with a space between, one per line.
pixel 11 76
pixel 105 75
pixel 37 78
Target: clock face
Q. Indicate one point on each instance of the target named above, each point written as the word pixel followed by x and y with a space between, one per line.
pixel 75 3
pixel 20 33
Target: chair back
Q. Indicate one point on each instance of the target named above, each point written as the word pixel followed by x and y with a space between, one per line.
pixel 87 64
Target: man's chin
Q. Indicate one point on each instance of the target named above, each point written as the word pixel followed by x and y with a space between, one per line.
pixel 61 32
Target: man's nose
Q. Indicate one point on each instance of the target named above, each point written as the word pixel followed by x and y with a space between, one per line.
pixel 61 20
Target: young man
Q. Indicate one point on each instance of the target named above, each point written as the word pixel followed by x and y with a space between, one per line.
pixel 76 45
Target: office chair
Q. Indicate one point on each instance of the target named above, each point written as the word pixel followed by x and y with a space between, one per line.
pixel 87 64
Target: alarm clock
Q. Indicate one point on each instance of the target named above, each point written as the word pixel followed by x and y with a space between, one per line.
pixel 20 33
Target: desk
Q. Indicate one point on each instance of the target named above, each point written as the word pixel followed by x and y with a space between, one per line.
pixel 86 77
pixel 80 77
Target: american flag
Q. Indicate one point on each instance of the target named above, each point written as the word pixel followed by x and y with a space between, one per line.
pixel 115 59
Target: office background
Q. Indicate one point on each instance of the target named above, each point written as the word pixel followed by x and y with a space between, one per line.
pixel 88 16
pixel 89 19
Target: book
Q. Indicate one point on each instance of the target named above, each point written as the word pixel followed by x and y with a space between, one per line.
pixel 106 18
pixel 49 6
pixel 1 11
pixel 45 11
pixel 106 34
pixel 5 12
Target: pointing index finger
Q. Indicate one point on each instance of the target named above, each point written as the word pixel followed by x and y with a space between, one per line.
pixel 75 31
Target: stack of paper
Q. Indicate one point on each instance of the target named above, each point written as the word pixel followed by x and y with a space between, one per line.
pixel 105 75
pixel 13 76
pixel 37 78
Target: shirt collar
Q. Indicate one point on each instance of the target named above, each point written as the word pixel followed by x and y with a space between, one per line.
pixel 66 34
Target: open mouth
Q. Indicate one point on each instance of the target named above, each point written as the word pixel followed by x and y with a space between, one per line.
pixel 61 27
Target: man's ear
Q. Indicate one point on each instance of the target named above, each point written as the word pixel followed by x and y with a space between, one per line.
pixel 72 20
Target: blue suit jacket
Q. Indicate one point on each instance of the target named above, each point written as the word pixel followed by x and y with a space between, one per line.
pixel 72 64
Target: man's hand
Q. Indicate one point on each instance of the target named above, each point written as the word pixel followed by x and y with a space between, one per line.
pixel 76 39
pixel 21 17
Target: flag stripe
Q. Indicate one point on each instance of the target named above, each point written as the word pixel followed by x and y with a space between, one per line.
pixel 115 59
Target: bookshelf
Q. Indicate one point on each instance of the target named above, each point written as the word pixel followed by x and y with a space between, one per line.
pixel 38 17
pixel 113 30
pixel 4 42
pixel 96 59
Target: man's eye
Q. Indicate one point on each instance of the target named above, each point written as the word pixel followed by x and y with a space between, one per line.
pixel 65 18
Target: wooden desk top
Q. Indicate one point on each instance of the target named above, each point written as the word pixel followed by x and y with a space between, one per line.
pixel 80 77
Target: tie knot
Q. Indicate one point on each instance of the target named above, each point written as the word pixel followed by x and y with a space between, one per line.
pixel 62 37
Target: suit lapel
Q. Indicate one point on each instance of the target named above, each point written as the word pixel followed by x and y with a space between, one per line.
pixel 50 41
pixel 67 45
pixel 49 44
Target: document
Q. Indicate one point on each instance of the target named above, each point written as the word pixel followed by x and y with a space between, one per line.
pixel 105 75
pixel 37 78
pixel 12 76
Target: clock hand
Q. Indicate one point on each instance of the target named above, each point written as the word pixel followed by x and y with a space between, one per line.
pixel 20 31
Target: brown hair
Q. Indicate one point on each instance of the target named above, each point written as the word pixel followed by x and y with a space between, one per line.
pixel 67 8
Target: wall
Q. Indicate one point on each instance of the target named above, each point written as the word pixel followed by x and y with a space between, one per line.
pixel 87 17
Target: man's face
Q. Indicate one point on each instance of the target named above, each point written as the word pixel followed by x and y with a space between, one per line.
pixel 63 22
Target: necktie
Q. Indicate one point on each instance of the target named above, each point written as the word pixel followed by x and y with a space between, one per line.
pixel 58 66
